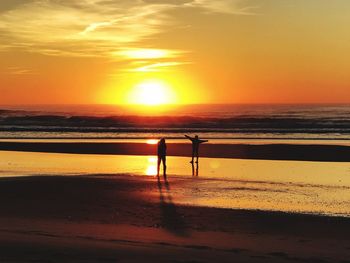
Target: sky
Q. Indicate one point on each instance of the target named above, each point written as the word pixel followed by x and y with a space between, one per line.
pixel 175 51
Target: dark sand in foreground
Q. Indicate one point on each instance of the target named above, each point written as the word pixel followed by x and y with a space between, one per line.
pixel 298 152
pixel 136 219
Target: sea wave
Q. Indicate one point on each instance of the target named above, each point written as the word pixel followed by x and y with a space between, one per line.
pixel 209 121
pixel 260 124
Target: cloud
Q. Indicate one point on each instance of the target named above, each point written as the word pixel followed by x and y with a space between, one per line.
pixel 160 66
pixel 19 71
pixel 82 28
pixel 10 4
pixel 148 53
pixel 236 7
pixel 93 27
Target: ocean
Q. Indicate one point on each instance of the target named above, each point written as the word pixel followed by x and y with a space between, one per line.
pixel 291 186
pixel 219 122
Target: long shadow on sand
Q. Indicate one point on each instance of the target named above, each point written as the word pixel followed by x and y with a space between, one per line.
pixel 171 220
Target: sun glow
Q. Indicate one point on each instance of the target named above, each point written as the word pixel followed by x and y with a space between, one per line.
pixel 152 93
pixel 143 92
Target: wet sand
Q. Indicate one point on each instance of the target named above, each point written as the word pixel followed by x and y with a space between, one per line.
pixel 126 218
pixel 297 152
pixel 137 219
pixel 288 186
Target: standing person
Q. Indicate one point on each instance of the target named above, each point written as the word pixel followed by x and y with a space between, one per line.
pixel 195 146
pixel 161 156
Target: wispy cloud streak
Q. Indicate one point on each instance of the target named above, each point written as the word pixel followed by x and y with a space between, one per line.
pixel 237 7
pixel 160 66
pixel 92 27
pixel 18 71
pixel 100 28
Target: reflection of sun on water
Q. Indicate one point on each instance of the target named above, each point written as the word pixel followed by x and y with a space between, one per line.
pixel 151 166
pixel 152 93
pixel 152 141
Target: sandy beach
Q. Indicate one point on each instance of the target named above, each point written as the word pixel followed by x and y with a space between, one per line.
pixel 109 207
pixel 136 219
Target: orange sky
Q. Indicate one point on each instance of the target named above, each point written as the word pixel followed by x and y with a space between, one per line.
pixel 202 51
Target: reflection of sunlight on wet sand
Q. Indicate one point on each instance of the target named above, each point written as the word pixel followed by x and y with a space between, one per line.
pixel 214 164
pixel 151 166
pixel 25 163
pixel 151 170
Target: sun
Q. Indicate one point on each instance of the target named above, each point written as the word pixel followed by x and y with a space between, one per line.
pixel 152 93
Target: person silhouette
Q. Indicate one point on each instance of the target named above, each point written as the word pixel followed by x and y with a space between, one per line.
pixel 161 156
pixel 195 146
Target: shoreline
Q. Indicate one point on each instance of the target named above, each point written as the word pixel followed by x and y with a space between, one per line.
pixel 292 152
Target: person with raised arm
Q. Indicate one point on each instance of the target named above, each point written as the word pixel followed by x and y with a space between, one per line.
pixel 195 146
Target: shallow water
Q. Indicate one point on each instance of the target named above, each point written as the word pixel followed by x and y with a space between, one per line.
pixel 289 186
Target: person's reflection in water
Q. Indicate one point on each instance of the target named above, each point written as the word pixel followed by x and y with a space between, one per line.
pixel 161 156
pixel 171 220
pixel 195 169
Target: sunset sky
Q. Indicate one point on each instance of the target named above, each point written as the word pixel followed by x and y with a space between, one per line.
pixel 189 51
